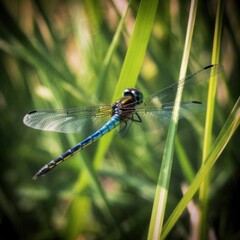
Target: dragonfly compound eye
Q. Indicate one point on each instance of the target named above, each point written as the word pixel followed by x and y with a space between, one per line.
pixel 135 93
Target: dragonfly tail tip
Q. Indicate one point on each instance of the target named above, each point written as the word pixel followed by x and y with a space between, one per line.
pixel 40 173
pixel 35 177
pixel 45 169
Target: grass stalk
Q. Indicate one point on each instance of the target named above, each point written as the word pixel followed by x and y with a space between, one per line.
pixel 111 50
pixel 128 78
pixel 161 194
pixel 217 148
pixel 203 194
pixel 132 62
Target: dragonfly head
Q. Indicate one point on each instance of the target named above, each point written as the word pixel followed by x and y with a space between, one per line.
pixel 134 93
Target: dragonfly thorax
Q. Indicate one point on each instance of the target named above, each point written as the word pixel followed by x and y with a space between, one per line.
pixel 134 93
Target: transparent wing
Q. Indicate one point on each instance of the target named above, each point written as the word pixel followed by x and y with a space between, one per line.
pixel 157 108
pixel 76 120
pixel 162 116
pixel 159 118
pixel 168 94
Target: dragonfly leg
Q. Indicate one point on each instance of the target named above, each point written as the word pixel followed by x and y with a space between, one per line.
pixel 127 124
pixel 124 128
pixel 138 119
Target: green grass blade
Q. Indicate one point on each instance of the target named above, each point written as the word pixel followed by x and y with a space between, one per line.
pixel 111 50
pixel 184 161
pixel 161 194
pixel 217 148
pixel 133 61
pixel 130 71
pixel 203 195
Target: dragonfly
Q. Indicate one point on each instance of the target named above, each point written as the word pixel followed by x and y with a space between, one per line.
pixel 129 110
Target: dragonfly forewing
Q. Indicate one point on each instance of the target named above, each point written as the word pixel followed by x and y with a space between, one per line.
pixel 75 120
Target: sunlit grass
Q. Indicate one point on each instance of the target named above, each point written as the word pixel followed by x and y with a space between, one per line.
pixel 217 148
pixel 203 194
pixel 129 72
pixel 162 187
pixel 76 53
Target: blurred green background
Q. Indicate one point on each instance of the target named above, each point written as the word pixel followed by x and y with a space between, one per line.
pixel 54 55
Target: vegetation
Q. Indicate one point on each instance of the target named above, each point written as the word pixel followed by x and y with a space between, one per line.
pixel 64 54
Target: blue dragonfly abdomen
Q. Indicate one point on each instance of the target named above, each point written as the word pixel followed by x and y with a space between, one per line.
pixel 110 125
